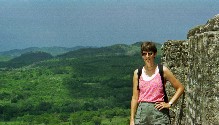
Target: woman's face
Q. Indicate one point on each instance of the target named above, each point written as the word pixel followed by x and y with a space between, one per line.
pixel 148 56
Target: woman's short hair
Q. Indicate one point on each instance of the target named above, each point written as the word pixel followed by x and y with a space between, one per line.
pixel 148 46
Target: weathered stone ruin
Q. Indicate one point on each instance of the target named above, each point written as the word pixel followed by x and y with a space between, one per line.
pixel 195 62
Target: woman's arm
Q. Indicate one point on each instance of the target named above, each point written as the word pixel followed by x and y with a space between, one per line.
pixel 177 85
pixel 134 101
pixel 168 75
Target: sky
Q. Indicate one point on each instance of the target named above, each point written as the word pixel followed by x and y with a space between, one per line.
pixel 70 23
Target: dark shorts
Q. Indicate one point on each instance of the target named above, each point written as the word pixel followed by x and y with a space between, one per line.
pixel 147 114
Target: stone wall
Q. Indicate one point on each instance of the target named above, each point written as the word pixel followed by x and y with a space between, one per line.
pixel 175 58
pixel 195 62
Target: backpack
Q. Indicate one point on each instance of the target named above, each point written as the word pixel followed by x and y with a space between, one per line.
pixel 160 67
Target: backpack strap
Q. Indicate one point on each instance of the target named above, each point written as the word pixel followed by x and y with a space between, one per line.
pixel 160 67
pixel 139 74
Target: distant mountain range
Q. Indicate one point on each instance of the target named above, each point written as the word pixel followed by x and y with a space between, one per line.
pixel 7 55
pixel 52 50
pixel 18 58
pixel 113 50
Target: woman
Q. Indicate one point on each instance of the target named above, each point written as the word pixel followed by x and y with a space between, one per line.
pixel 147 104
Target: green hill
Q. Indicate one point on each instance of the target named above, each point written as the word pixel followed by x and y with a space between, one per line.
pixel 26 59
pixel 114 50
pixel 102 51
pixel 7 55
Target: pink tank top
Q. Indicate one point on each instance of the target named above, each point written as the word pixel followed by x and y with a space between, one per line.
pixel 151 87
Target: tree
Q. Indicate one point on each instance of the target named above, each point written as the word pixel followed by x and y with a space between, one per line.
pixel 96 120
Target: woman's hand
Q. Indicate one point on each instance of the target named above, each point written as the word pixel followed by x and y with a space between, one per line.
pixel 162 105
